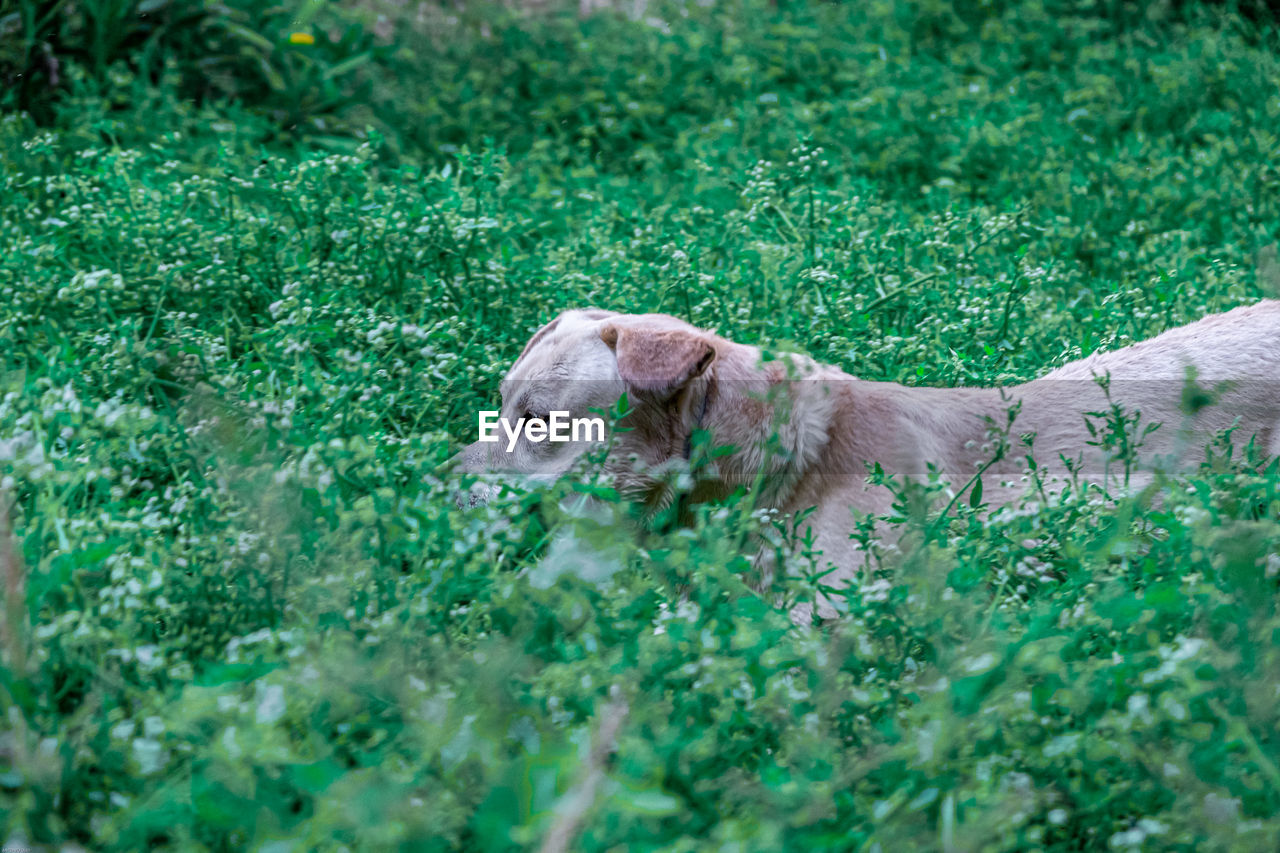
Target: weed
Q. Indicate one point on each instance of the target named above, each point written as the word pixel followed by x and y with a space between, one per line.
pixel 237 355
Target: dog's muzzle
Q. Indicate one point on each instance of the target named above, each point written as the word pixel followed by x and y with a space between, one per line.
pixel 475 458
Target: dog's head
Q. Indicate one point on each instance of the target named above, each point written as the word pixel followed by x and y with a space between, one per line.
pixel 579 365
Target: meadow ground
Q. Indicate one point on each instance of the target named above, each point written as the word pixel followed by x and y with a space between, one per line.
pixel 260 266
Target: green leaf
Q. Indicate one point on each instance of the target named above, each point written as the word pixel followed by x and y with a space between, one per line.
pixel 346 66
pixel 317 776
pixel 226 673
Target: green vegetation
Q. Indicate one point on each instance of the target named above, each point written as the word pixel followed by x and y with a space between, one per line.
pixel 254 289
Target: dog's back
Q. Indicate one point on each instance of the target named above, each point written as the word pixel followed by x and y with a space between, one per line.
pixel 1243 343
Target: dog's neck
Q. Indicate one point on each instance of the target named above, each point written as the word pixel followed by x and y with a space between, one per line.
pixel 703 389
pixel 780 418
pixel 775 415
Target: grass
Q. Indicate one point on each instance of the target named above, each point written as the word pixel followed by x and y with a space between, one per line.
pixel 238 345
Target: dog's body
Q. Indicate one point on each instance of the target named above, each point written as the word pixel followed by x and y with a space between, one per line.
pixel 829 425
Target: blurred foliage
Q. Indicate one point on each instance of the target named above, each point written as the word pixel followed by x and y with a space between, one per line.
pixel 253 291
pixel 295 63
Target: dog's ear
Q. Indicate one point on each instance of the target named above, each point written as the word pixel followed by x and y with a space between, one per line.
pixel 658 360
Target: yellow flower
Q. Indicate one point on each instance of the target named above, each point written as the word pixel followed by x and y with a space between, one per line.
pixel 301 38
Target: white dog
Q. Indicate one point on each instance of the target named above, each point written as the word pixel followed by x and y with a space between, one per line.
pixel 803 434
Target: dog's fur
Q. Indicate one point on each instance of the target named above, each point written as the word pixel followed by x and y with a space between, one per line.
pixel 829 425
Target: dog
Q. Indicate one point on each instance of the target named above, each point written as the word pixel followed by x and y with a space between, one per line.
pixel 807 435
